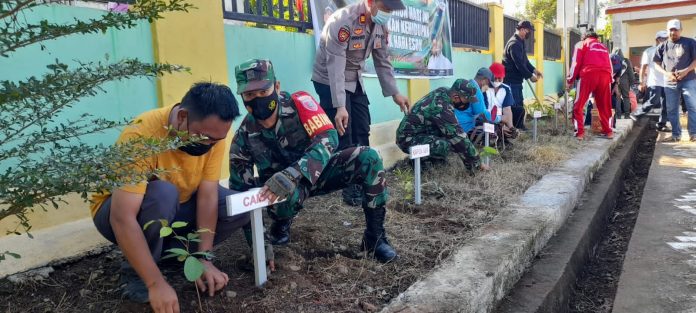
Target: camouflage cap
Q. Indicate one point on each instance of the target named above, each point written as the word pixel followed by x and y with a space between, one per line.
pixel 465 88
pixel 254 74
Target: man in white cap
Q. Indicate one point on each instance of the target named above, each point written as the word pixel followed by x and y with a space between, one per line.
pixel 676 59
pixel 653 82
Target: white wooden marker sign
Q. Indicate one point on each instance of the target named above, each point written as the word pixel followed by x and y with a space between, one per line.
pixel 252 201
pixel 488 129
pixel 418 152
pixel 537 115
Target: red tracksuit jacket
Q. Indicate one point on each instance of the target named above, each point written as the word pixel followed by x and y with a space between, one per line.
pixel 591 56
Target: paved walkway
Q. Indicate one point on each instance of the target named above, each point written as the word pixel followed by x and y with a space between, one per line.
pixel 659 273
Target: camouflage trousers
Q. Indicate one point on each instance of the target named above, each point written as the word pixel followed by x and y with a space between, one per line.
pixel 356 165
pixel 439 147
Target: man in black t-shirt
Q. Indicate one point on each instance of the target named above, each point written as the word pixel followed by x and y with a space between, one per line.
pixel 676 59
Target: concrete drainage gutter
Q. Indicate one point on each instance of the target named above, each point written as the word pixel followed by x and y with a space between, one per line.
pixel 481 272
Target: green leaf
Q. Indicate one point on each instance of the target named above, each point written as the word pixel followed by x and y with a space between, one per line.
pixel 490 150
pixel 191 236
pixel 194 240
pixel 179 224
pixel 204 230
pixel 193 269
pixel 14 255
pixel 165 231
pixel 148 224
pixel 180 238
pixel 181 258
pixel 169 256
pixel 164 222
pixel 177 251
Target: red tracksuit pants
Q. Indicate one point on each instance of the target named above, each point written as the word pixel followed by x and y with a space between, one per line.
pixel 597 83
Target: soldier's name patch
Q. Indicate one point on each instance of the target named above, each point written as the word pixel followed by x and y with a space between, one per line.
pixel 343 34
pixel 357 37
pixel 317 124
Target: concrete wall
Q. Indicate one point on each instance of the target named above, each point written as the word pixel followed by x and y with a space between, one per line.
pixel 641 33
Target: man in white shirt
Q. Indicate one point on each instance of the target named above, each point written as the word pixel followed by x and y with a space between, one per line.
pixel 437 60
pixel 654 82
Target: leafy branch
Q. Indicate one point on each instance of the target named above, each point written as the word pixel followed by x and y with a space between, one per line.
pixel 15 34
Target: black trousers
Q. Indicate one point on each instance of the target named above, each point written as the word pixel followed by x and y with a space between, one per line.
pixel 358 130
pixel 161 201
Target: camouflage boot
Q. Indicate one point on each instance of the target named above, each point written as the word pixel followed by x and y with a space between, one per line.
pixel 375 239
pixel 280 231
pixel 352 195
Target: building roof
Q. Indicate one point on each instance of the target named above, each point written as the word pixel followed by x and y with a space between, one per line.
pixel 642 5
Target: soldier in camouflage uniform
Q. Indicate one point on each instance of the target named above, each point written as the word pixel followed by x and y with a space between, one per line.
pixel 432 122
pixel 292 142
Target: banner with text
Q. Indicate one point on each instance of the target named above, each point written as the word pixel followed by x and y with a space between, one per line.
pixel 419 37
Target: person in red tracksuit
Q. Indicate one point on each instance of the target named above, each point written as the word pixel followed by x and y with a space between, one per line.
pixel 592 66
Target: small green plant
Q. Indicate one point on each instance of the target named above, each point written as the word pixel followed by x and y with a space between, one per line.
pixel 488 151
pixel 193 268
pixel 405 178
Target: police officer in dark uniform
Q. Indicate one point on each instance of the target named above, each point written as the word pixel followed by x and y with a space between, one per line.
pixel 350 35
pixel 518 68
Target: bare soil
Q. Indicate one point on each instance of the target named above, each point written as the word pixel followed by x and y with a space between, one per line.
pixel 321 269
pixel 596 286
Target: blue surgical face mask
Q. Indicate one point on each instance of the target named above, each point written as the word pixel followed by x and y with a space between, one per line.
pixel 381 18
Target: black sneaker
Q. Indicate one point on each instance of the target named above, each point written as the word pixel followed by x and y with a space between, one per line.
pixel 664 128
pixel 133 287
pixel 692 138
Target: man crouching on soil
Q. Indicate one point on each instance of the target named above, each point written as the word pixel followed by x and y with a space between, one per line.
pixel 292 142
pixel 432 122
pixel 188 192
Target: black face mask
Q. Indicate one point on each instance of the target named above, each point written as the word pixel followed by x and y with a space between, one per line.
pixel 527 35
pixel 263 107
pixel 197 148
pixel 461 105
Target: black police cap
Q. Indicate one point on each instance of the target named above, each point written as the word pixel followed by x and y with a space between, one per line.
pixel 525 24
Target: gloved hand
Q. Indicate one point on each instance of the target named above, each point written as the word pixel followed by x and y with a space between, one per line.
pixel 281 184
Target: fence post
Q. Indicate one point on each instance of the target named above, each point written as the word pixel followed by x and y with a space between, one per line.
pixel 417 88
pixel 496 41
pixel 539 55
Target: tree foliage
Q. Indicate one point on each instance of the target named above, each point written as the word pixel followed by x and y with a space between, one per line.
pixel 43 155
pixel 544 10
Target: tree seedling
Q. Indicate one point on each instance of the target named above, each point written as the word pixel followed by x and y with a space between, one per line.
pixel 193 268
